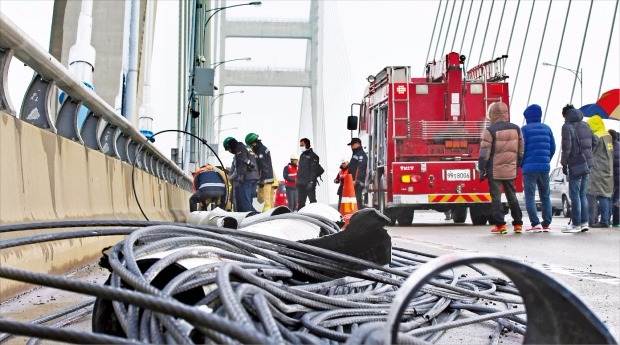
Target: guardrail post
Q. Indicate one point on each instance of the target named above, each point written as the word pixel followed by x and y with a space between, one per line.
pixel 108 141
pixel 67 120
pixel 5 99
pixel 89 131
pixel 35 108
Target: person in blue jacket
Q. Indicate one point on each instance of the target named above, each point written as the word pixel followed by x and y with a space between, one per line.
pixel 539 148
pixel 210 188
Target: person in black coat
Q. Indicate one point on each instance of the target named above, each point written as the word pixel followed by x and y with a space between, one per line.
pixel 358 166
pixel 615 198
pixel 307 173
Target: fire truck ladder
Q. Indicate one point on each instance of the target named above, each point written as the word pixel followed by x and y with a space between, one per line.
pixel 490 71
pixel 400 75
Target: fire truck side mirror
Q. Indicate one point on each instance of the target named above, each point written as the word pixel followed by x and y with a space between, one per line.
pixel 352 122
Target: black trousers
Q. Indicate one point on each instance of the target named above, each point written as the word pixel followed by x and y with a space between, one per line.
pixel 359 197
pixel 304 192
pixel 495 187
pixel 202 196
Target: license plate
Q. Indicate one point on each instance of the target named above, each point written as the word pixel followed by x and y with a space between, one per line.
pixel 458 175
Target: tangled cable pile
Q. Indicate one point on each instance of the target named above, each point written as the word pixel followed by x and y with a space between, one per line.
pixel 199 284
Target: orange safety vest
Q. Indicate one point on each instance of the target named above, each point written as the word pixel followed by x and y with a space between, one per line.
pixel 292 173
pixel 343 174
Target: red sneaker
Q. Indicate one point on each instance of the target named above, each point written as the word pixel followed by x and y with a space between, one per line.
pixel 499 229
pixel 518 228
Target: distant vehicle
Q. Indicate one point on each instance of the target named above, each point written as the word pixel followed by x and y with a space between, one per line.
pixel 281 199
pixel 422 135
pixel 558 190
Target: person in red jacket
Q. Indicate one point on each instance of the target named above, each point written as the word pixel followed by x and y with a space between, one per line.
pixel 290 180
pixel 342 173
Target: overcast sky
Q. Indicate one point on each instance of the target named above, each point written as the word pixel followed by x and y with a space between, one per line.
pixel 362 37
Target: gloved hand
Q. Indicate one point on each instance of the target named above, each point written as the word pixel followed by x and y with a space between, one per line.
pixel 483 176
pixel 233 176
pixel 311 185
pixel 359 184
pixel 565 169
pixel 261 184
pixel 336 180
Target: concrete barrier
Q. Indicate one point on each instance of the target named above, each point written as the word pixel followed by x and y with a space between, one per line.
pixel 45 177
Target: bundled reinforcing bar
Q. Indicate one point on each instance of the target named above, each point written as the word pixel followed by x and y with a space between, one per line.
pixel 184 284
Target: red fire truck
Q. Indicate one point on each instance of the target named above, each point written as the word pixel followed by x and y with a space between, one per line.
pixel 423 137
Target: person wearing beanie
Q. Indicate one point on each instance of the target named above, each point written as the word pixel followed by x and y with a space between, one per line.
pixel 577 159
pixel 601 185
pixel 539 148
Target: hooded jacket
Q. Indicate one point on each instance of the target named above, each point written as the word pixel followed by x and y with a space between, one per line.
pixel 501 147
pixel 539 143
pixel 601 175
pixel 577 135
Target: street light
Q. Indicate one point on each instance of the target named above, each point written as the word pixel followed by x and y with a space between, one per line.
pixel 216 64
pixel 226 129
pixel 575 72
pixel 253 3
pixel 235 113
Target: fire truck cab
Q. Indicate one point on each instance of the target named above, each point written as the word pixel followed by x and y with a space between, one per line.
pixel 422 136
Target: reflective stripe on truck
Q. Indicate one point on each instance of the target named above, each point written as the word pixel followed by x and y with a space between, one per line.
pixel 483 197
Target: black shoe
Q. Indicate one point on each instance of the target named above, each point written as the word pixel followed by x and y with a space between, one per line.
pixel 599 225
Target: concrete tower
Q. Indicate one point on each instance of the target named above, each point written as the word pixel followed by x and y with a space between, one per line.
pixel 310 79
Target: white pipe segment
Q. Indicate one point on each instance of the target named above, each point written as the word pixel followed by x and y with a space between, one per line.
pixel 323 210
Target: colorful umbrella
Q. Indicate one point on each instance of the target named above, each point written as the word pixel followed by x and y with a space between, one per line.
pixel 607 107
pixel 610 102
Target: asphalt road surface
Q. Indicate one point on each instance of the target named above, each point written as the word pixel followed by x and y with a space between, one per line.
pixel 588 263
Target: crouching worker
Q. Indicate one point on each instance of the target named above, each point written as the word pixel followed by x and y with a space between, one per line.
pixel 210 188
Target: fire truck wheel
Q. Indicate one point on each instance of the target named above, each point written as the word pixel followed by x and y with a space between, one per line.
pixel 477 215
pixel 459 215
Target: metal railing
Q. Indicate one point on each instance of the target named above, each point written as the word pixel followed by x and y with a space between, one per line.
pixel 118 139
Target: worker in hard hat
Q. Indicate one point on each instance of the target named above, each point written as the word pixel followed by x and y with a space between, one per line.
pixel 210 188
pixel 265 170
pixel 245 175
pixel 342 173
pixel 290 181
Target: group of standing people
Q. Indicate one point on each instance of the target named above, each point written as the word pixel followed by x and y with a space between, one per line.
pixel 590 158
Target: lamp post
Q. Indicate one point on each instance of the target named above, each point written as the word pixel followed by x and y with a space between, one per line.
pixel 210 137
pixel 216 64
pixel 235 113
pixel 575 72
pixel 216 10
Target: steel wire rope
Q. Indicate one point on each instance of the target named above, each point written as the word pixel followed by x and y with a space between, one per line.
pixel 527 31
pixel 583 43
pixel 64 321
pixel 465 322
pixel 542 40
pixel 147 301
pixel 473 38
pixel 514 21
pixel 611 33
pixel 151 138
pixel 79 223
pixel 557 59
pixel 443 48
pixel 21 241
pixel 54 316
pixel 458 23
pixel 471 4
pixel 445 10
pixel 64 335
pixel 486 31
pixel 430 44
pixel 499 28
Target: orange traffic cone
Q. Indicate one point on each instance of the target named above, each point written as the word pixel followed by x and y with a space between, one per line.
pixel 348 204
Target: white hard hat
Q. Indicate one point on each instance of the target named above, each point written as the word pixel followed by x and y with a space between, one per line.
pixel 344 159
pixel 294 157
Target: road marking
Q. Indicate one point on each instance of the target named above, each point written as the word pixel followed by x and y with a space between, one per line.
pixel 598 277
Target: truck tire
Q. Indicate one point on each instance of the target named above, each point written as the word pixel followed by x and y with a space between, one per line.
pixel 477 215
pixel 459 215
pixel 405 218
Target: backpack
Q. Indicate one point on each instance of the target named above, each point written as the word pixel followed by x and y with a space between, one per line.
pixel 319 172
